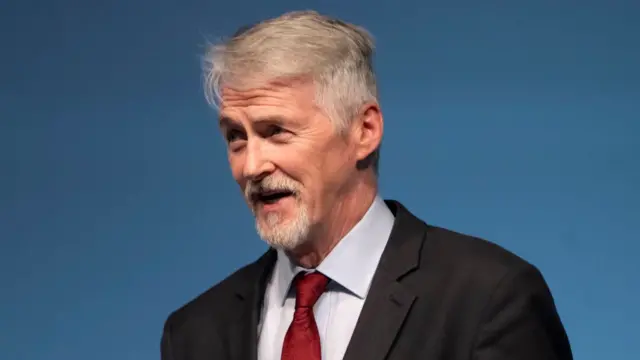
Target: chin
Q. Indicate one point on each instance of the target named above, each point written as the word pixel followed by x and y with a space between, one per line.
pixel 287 245
pixel 285 234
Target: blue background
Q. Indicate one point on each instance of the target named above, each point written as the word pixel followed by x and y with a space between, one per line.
pixel 517 121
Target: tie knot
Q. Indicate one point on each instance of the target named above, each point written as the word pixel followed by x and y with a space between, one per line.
pixel 309 288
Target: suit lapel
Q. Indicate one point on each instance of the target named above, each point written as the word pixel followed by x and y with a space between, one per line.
pixel 388 301
pixel 243 331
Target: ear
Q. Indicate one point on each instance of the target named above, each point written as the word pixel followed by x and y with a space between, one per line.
pixel 368 129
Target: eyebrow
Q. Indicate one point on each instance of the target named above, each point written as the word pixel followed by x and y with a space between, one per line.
pixel 227 121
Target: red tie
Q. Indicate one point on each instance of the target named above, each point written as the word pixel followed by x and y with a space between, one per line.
pixel 302 341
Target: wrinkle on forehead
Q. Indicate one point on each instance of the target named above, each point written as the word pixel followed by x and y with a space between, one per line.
pixel 252 97
pixel 273 94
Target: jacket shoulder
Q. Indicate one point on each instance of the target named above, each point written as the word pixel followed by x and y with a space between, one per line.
pixel 471 250
pixel 455 255
pixel 215 302
pixel 473 263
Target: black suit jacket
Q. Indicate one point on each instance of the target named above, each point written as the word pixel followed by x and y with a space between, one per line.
pixel 436 295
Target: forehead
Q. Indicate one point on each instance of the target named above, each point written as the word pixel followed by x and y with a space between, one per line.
pixel 273 97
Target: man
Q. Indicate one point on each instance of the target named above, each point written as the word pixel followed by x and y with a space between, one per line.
pixel 348 275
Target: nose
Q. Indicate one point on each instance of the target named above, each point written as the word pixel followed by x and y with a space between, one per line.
pixel 257 164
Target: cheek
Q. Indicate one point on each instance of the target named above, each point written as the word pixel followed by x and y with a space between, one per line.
pixel 236 166
pixel 304 166
pixel 339 165
pixel 323 163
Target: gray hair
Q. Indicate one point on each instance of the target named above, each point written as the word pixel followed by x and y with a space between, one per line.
pixel 336 56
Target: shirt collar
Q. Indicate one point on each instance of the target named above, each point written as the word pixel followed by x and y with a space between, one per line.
pixel 353 261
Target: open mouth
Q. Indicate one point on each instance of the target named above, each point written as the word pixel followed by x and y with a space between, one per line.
pixel 271 196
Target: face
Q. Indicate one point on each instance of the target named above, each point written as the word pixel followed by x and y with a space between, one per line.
pixel 291 164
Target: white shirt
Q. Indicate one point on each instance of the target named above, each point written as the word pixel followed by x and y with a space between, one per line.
pixel 350 266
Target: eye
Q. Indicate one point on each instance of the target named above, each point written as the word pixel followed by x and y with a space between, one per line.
pixel 233 135
pixel 277 132
pixel 274 130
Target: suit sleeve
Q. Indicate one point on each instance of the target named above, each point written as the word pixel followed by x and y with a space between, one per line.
pixel 521 322
pixel 166 349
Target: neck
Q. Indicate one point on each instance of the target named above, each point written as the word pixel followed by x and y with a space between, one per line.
pixel 346 213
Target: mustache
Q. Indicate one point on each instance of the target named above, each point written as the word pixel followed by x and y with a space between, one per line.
pixel 270 184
